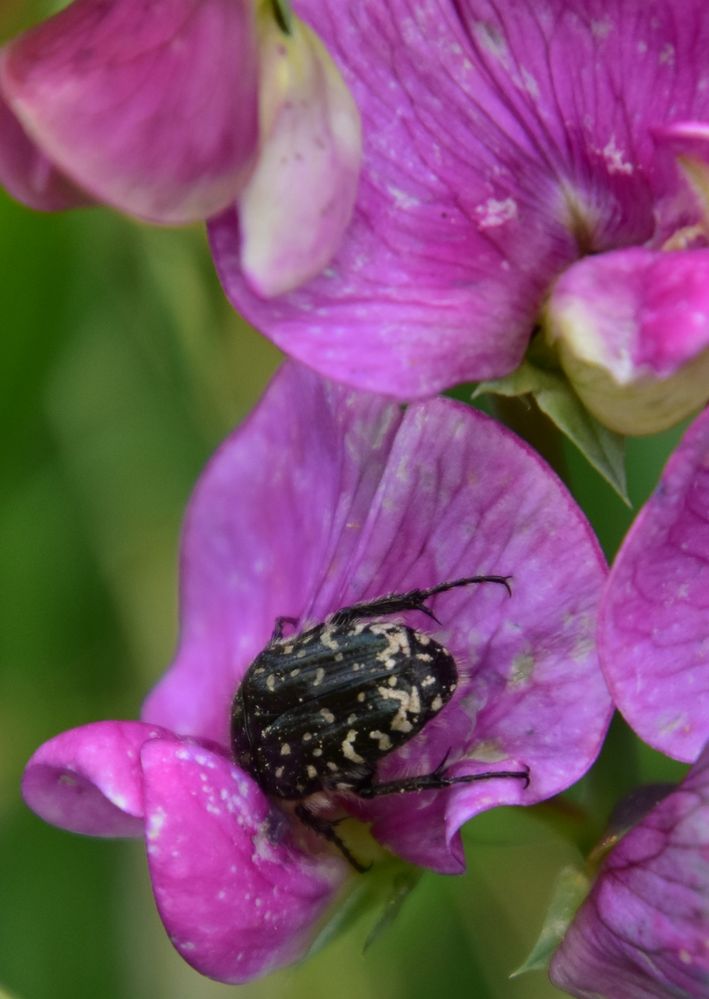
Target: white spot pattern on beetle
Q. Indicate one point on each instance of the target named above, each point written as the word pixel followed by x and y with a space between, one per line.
pixel 384 743
pixel 348 750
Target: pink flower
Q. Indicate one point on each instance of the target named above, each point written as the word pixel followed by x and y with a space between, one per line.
pixel 153 109
pixel 326 497
pixel 642 932
pixel 176 110
pixel 653 639
pixel 504 142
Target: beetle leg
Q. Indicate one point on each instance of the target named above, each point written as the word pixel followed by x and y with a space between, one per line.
pixel 327 831
pixel 413 600
pixel 278 626
pixel 435 781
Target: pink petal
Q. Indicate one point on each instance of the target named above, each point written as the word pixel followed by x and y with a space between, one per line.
pixel 27 174
pixel 493 158
pixel 152 109
pixel 237 897
pixel 462 496
pixel 642 932
pixel 311 146
pixel 356 501
pixel 633 331
pixel 653 625
pixel 275 513
pixel 88 780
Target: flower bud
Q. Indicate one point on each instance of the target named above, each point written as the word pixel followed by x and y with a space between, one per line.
pixel 632 331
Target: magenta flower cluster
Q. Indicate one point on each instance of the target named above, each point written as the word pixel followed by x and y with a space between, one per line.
pixel 508 146
pixel 521 166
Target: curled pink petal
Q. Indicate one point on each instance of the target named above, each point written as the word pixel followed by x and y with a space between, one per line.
pixel 642 932
pixel 150 108
pixel 299 197
pixel 88 780
pixel 632 328
pixel 653 623
pixel 237 896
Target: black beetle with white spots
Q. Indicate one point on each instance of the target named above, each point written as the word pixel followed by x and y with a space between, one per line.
pixel 318 710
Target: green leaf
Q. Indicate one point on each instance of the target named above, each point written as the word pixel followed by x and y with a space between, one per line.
pixel 602 448
pixel 572 886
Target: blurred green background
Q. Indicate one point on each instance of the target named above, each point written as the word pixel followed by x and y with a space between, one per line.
pixel 122 368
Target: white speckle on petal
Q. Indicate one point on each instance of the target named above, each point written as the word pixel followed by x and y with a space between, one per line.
pixel 156 823
pixel 521 669
pixel 615 161
pixel 667 55
pixel 529 84
pixel 489 37
pixel 674 724
pixel 601 29
pixel 495 212
pixel 401 198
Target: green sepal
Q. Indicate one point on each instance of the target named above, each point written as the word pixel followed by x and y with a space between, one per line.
pixel 283 15
pixel 384 889
pixel 547 384
pixel 402 883
pixel 572 886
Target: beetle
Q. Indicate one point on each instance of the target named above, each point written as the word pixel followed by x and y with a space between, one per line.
pixel 317 711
